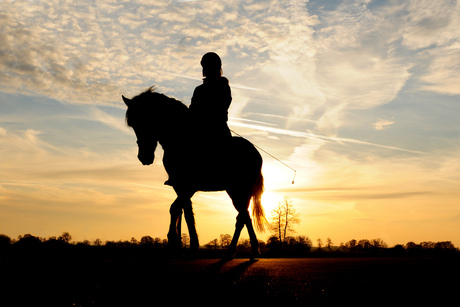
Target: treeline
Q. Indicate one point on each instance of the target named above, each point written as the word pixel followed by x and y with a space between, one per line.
pixel 65 239
pixel 298 246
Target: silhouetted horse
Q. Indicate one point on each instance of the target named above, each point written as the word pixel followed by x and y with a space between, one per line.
pixel 157 118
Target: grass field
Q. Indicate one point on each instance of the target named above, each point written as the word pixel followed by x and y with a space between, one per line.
pixel 115 278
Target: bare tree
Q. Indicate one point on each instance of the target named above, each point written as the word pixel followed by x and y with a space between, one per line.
pixel 213 244
pixel 225 240
pixel 157 242
pixel 97 242
pixel 146 241
pixel 185 240
pixel 65 237
pixel 329 243
pixel 283 219
pixel 320 243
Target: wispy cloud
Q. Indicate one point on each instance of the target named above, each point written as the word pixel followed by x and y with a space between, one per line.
pixel 65 55
pixel 17 145
pixel 302 74
pixel 428 23
pixel 233 85
pixel 356 194
pixel 111 121
pixel 235 121
pixel 442 73
pixel 309 135
pixel 383 124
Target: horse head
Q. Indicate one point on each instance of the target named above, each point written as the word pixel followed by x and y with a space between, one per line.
pixel 139 117
pixel 157 118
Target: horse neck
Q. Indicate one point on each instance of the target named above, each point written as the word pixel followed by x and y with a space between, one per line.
pixel 174 124
pixel 174 137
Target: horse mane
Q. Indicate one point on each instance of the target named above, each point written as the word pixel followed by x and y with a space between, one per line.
pixel 150 102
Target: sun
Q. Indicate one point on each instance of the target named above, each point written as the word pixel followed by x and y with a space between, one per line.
pixel 270 201
pixel 276 178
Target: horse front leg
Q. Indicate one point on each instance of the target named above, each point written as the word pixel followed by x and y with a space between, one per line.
pixel 190 220
pixel 183 203
pixel 174 234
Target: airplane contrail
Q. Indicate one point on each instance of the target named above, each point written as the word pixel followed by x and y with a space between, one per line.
pixel 316 136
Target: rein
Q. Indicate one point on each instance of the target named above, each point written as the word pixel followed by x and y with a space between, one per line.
pixel 258 147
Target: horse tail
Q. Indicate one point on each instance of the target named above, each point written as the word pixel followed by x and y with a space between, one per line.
pixel 257 210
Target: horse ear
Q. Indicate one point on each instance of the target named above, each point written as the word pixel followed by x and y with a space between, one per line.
pixel 126 100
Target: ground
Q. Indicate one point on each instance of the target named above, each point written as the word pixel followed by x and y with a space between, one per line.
pixel 133 280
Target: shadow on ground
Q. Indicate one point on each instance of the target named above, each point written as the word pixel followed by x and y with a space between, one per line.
pixel 86 279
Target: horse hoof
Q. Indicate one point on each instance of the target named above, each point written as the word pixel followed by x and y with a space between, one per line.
pixel 190 255
pixel 228 256
pixel 254 255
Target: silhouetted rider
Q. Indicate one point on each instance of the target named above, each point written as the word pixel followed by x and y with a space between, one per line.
pixel 209 110
pixel 211 100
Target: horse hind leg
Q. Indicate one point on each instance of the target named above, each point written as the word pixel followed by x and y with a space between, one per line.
pixel 255 252
pixel 231 250
pixel 242 219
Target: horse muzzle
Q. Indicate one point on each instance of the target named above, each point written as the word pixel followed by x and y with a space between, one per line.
pixel 146 160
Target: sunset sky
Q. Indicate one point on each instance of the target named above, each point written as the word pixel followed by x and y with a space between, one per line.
pixel 361 98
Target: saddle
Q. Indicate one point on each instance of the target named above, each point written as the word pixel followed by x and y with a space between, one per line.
pixel 209 168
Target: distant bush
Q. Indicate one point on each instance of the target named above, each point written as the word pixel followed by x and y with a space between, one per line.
pixel 4 240
pixel 299 246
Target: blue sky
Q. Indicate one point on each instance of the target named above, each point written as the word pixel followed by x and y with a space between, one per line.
pixel 360 97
